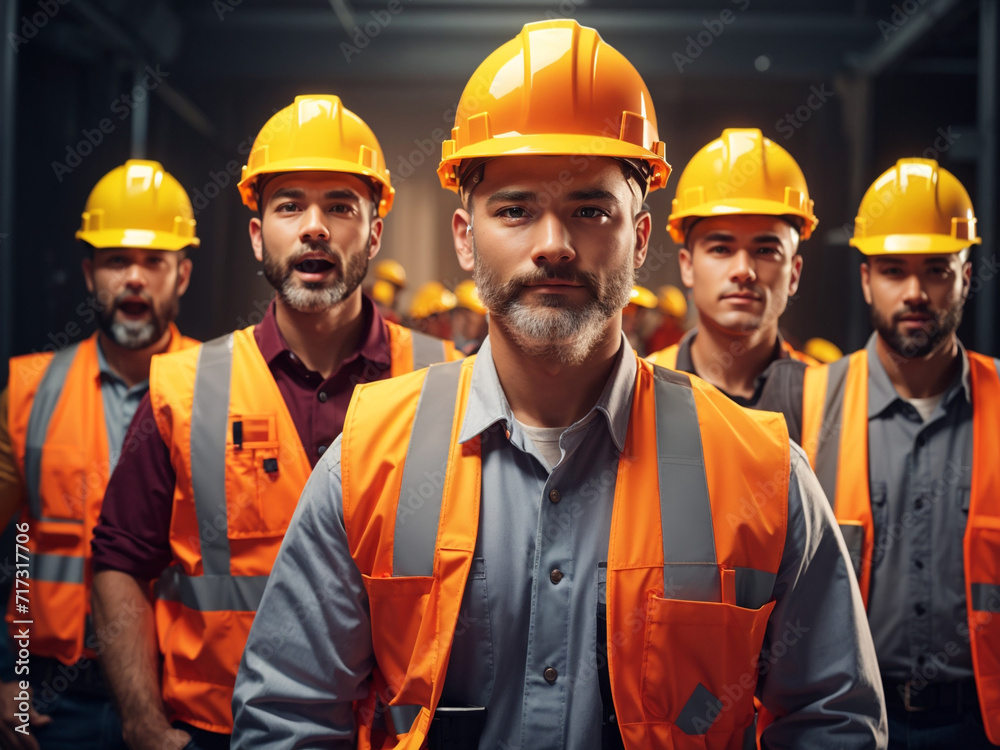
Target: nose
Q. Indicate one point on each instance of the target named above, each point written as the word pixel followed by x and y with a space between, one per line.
pixel 134 276
pixel 552 242
pixel 312 227
pixel 913 291
pixel 742 269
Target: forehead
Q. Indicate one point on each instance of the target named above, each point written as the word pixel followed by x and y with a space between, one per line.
pixel 742 227
pixel 315 184
pixel 560 178
pixel 135 253
pixel 916 261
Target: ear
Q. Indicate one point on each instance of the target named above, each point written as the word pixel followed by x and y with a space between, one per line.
pixel 461 232
pixel 793 283
pixel 183 275
pixel 643 228
pixel 866 286
pixel 966 279
pixel 257 238
pixel 684 261
pixel 87 265
pixel 375 237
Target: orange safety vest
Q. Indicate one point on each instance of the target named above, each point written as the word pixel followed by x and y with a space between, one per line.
pixel 693 554
pixel 835 437
pixel 60 443
pixel 240 468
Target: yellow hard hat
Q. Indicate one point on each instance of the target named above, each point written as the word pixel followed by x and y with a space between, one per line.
pixel 466 296
pixel 557 89
pixel 672 301
pixel 742 172
pixel 822 350
pixel 430 299
pixel 140 205
pixel 915 207
pixel 384 293
pixel 317 134
pixel 642 297
pixel 391 271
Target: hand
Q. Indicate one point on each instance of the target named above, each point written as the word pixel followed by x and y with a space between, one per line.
pixel 154 733
pixel 11 696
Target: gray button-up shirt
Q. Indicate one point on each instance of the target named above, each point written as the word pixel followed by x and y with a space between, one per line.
pixel 120 402
pixel 310 648
pixel 920 474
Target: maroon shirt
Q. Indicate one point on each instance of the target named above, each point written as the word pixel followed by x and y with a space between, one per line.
pixel 133 533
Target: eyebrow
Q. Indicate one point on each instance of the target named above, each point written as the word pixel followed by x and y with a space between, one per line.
pixel 295 193
pixel 720 236
pixel 529 196
pixel 592 194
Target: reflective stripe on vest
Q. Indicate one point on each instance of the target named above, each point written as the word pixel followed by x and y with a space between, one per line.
pixel 209 417
pixel 212 593
pixel 427 350
pixel 56 568
pixel 44 405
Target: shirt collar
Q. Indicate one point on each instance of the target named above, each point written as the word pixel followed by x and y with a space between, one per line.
pixel 686 364
pixel 488 404
pixel 882 393
pixel 374 342
pixel 106 374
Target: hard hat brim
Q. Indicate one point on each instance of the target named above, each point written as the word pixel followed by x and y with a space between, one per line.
pixel 143 239
pixel 911 244
pixel 246 185
pixel 552 144
pixel 738 207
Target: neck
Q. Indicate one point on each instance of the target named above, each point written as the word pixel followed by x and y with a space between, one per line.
pixel 543 392
pixel 322 340
pixel 921 377
pixel 732 362
pixel 131 365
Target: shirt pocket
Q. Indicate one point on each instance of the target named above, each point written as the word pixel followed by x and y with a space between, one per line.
pixel 471 668
pixel 880 520
pixel 699 668
pixel 254 508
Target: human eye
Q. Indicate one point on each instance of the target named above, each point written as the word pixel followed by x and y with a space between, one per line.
pixel 591 212
pixel 286 207
pixel 341 208
pixel 513 212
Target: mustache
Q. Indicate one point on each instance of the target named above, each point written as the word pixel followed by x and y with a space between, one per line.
pixel 554 273
pixel 741 288
pixel 120 298
pixel 913 310
pixel 309 248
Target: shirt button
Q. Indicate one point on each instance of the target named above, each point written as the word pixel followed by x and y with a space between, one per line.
pixel 921 441
pixel 554 496
pixel 919 502
pixel 918 564
pixel 550 675
pixel 322 397
pixel 321 449
pixel 556 575
pixel 919 609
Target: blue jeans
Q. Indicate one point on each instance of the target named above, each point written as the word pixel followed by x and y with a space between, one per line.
pixel 935 729
pixel 80 722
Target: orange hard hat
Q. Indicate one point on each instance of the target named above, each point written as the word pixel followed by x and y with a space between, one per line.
pixel 672 301
pixel 316 133
pixel 555 89
pixel 467 296
pixel 391 271
pixel 432 298
pixel 640 296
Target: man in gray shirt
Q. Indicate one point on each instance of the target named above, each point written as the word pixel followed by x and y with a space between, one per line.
pixel 555 544
pixel 899 434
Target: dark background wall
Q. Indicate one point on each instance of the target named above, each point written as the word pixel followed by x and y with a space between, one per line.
pixel 847 86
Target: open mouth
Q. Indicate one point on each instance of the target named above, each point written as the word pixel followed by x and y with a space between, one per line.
pixel 134 307
pixel 314 265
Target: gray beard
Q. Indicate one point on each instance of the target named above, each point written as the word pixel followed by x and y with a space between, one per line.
pixel 312 297
pixel 554 330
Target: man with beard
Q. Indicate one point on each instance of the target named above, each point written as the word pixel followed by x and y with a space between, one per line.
pixel 553 543
pixel 903 435
pixel 741 208
pixel 203 504
pixel 63 419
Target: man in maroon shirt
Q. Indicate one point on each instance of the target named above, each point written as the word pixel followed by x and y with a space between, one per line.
pixel 220 449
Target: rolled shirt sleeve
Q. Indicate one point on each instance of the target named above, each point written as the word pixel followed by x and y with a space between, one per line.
pixel 310 651
pixel 819 675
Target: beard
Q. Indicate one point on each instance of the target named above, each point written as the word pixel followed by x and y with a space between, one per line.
pixel 314 296
pixel 918 343
pixel 137 334
pixel 555 329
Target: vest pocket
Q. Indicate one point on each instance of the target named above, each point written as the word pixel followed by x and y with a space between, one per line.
pixel 253 508
pixel 66 483
pixel 699 669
